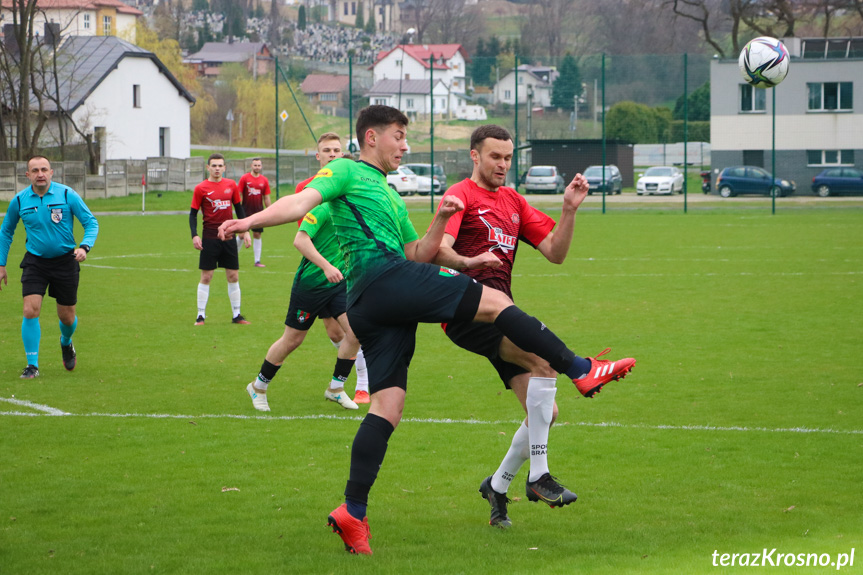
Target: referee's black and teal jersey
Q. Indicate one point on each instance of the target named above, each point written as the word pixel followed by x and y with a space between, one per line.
pixel 48 222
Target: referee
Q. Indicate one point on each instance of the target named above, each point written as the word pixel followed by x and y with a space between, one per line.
pixel 52 261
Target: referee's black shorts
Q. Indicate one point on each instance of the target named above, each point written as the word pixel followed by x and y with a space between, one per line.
pixel 483 339
pixel 218 253
pixel 59 275
pixel 386 314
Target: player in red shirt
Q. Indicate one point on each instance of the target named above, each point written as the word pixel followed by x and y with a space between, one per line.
pixel 482 240
pixel 255 189
pixel 214 197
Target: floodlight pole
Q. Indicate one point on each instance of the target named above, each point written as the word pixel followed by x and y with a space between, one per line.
pixel 603 132
pixel 685 130
pixel 276 80
pixel 431 133
pixel 773 156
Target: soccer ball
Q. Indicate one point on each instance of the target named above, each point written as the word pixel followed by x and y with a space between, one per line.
pixel 764 62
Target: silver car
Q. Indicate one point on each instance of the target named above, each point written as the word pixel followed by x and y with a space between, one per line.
pixel 544 180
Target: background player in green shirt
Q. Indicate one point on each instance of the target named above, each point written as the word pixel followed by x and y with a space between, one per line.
pixel 318 287
pixel 392 288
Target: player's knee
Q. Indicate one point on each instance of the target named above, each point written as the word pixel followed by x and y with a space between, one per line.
pixel 554 413
pixel 491 304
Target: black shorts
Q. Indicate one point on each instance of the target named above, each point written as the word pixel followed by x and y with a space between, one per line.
pixel 59 275
pixel 306 306
pixel 385 316
pixel 258 230
pixel 218 253
pixel 484 339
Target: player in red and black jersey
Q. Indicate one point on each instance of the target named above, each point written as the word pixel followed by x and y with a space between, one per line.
pixel 215 197
pixel 255 191
pixel 482 241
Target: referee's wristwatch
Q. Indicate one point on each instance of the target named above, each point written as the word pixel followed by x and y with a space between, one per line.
pixel 85 247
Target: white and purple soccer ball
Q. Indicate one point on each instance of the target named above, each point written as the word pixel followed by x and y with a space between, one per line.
pixel 764 62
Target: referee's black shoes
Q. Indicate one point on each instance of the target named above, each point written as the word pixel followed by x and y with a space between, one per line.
pixel 30 372
pixel 69 356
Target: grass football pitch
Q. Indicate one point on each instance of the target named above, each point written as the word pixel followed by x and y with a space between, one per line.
pixel 740 429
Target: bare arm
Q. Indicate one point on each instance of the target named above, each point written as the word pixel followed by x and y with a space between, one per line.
pixel 556 244
pixel 426 248
pixel 447 256
pixel 287 209
pixel 305 246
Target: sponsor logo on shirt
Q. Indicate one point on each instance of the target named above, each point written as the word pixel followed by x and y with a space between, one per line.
pixel 502 241
pixel 220 204
pixel 311 219
pixel 324 173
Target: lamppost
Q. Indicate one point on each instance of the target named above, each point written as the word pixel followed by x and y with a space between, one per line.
pixel 410 35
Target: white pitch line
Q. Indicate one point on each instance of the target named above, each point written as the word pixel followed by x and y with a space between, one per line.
pixel 49 411
pixel 45 409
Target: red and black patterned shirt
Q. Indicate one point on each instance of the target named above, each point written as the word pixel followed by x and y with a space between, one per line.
pixel 215 200
pixel 253 189
pixel 495 222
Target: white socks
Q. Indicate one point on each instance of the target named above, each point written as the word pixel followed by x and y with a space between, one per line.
pixel 540 411
pixel 203 296
pixel 519 452
pixel 529 442
pixel 256 248
pixel 362 372
pixel 234 296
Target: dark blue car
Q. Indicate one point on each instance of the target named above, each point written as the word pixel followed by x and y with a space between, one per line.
pixel 738 180
pixel 834 181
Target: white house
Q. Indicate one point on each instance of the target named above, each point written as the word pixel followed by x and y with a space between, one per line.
pixel 819 112
pixel 409 62
pixel 80 17
pixel 123 95
pixel 412 97
pixel 538 79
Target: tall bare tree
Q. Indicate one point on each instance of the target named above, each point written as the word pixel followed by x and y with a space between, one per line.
pixel 16 74
pixel 453 22
pixel 550 39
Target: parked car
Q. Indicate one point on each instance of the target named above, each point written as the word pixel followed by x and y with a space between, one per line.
pixel 543 179
pixel 613 180
pixel 403 181
pixel 425 170
pixel 751 180
pixel 660 180
pixel 835 181
pixel 424 184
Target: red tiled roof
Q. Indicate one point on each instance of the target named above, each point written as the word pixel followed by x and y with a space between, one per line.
pixel 324 84
pixel 422 53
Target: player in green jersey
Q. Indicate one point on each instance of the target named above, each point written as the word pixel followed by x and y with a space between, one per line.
pixel 392 288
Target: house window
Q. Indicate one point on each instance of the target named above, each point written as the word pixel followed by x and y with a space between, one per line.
pixel 830 96
pixel 521 79
pixel 164 142
pixel 380 101
pixel 329 97
pixel 136 96
pixel 106 25
pixel 442 106
pixel 86 21
pixel 830 157
pixel 353 8
pixel 752 99
pixel 346 8
pixel 410 102
pixel 507 94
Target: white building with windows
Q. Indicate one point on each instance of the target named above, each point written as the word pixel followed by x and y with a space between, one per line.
pixel 80 17
pixel 535 81
pixel 819 112
pixel 121 94
pixel 409 64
